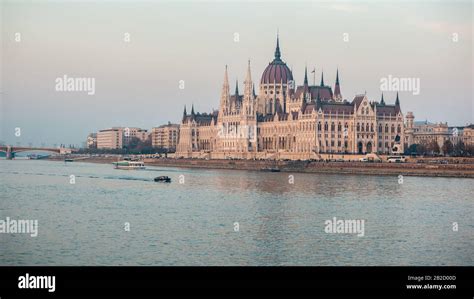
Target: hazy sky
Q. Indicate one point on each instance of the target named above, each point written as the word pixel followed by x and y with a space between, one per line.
pixel 137 83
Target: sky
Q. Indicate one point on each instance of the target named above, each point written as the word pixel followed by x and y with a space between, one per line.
pixel 137 83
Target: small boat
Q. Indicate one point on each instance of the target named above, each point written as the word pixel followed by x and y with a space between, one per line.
pixel 163 178
pixel 127 164
pixel 68 160
pixel 270 169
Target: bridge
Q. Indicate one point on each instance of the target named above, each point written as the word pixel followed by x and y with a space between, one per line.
pixel 12 150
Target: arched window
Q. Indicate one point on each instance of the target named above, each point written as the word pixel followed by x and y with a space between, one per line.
pixel 339 127
pixel 367 127
pixel 380 128
pixel 386 128
pixel 358 127
pixel 333 127
pixel 393 128
pixel 399 129
pixel 371 127
pixel 325 126
pixel 319 126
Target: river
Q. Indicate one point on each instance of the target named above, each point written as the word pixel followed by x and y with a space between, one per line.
pixel 104 216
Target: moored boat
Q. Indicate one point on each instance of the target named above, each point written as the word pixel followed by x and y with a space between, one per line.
pixel 127 164
pixel 270 169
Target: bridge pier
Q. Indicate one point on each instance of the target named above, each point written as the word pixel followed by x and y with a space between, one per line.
pixel 9 153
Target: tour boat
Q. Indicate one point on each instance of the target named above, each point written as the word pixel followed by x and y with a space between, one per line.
pixel 126 164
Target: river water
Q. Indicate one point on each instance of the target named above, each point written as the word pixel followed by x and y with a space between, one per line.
pixel 230 217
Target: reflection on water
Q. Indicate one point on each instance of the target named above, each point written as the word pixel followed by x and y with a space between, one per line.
pixel 193 223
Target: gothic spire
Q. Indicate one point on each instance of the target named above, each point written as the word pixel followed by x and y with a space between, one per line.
pixel 248 83
pixel 322 78
pixel 397 101
pixel 236 88
pixel 253 89
pixel 305 76
pixel 225 85
pixel 337 87
pixel 248 78
pixel 184 113
pixel 192 110
pixel 382 101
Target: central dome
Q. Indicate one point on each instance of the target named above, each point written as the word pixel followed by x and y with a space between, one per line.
pixel 276 71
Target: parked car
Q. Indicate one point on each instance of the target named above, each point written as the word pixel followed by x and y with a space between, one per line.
pixel 396 159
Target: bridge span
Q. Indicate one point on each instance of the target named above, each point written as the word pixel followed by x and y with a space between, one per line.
pixel 12 150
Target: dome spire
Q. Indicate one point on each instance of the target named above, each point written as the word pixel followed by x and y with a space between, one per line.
pixel 277 50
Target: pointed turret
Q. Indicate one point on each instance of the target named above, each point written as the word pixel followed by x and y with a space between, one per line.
pixel 253 90
pixel 397 104
pixel 225 95
pixel 382 101
pixel 322 78
pixel 337 88
pixel 184 113
pixel 236 88
pixel 192 110
pixel 225 85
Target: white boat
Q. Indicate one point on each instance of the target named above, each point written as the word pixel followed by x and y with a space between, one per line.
pixel 126 164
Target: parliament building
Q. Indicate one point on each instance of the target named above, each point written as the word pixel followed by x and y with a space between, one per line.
pixel 285 121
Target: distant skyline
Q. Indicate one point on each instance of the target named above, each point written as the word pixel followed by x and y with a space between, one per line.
pixel 137 83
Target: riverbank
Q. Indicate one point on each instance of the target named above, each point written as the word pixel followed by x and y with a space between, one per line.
pixel 464 170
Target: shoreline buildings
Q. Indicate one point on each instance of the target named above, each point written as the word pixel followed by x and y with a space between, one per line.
pixel 118 137
pixel 286 121
pixel 165 136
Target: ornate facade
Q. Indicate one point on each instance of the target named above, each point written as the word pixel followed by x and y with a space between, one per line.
pixel 285 121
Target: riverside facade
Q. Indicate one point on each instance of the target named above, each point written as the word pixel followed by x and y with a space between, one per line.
pixel 285 121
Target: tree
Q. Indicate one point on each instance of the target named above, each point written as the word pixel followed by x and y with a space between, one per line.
pixel 412 149
pixel 422 148
pixel 459 149
pixel 470 150
pixel 433 147
pixel 448 147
